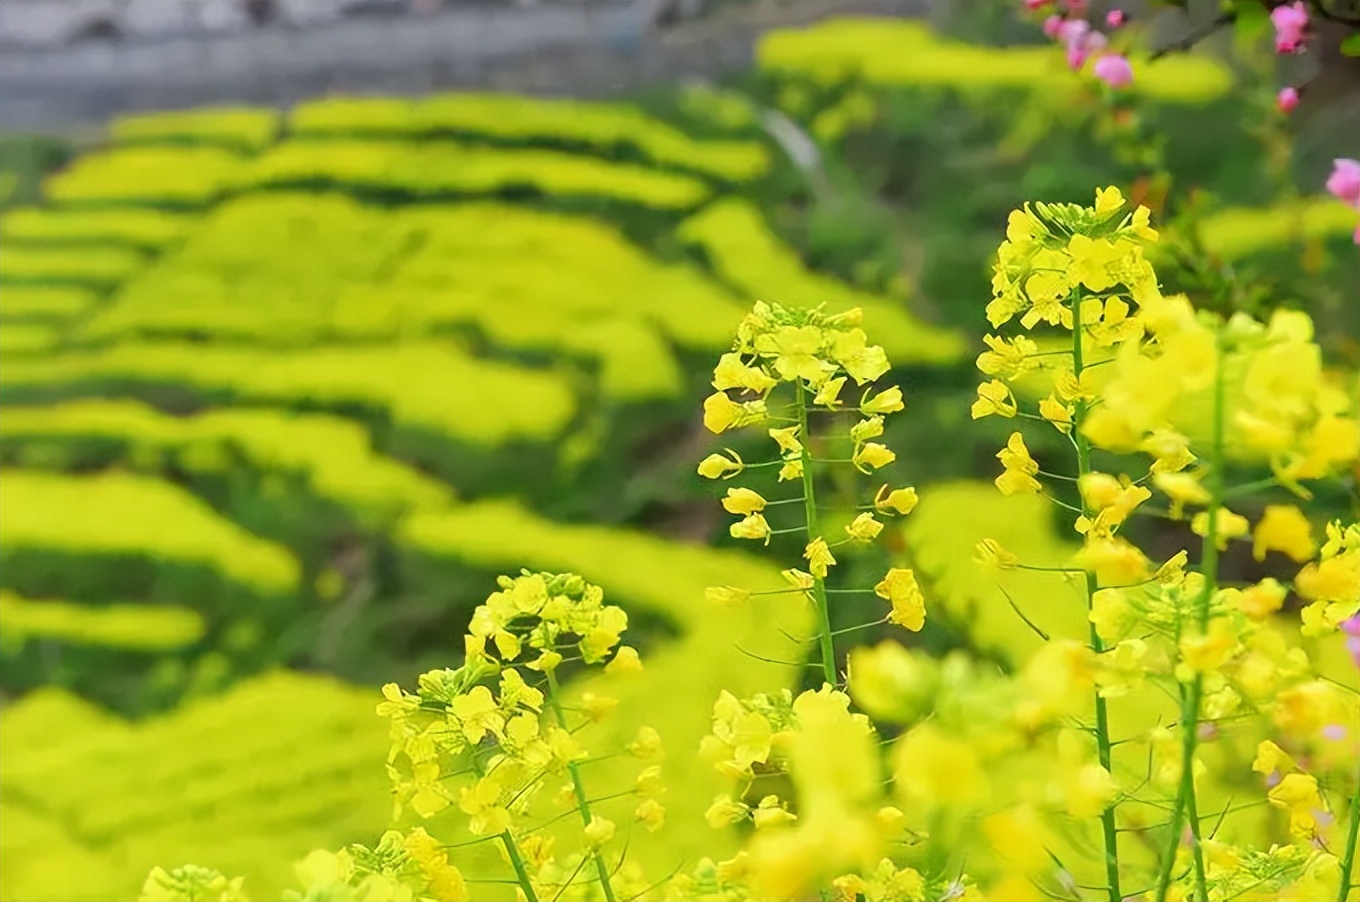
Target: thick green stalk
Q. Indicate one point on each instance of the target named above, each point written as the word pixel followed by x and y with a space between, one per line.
pixel 828 642
pixel 1103 744
pixel 1185 796
pixel 521 873
pixel 582 805
pixel 1352 836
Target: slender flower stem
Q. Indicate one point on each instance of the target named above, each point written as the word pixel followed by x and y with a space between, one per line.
pixel 1108 826
pixel 1353 835
pixel 827 641
pixel 582 803
pixel 521 873
pixel 1185 796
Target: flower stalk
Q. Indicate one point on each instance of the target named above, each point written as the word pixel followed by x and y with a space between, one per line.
pixel 1352 839
pixel 517 862
pixel 1186 803
pixel 1109 828
pixel 824 635
pixel 578 787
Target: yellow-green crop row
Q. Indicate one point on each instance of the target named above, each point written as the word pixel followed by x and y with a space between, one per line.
pixel 334 455
pixel 241 128
pixel 118 515
pixel 147 229
pixel 596 126
pixel 172 176
pixel 889 53
pixel 44 302
pixel 254 778
pixel 743 250
pixel 134 627
pixel 445 168
pixel 297 269
pixel 100 266
pixel 421 385
pixel 27 338
pixel 1240 231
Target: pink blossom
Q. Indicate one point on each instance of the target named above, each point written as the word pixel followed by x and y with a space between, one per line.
pixel 1351 627
pixel 1053 26
pixel 1076 7
pixel 1286 100
pixel 1115 18
pixel 1073 31
pixel 1035 5
pixel 1290 21
pixel 1344 183
pixel 1114 70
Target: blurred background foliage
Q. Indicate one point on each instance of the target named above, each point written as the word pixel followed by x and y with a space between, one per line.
pixel 285 389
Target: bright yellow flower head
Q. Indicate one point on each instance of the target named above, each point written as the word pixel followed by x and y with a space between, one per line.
pixel 900 588
pixel 819 557
pixel 1108 200
pixel 1227 527
pixel 994 397
pixel 864 528
pixel 885 402
pixel 722 413
pixel 901 501
pixel 872 455
pixel 787 439
pixel 1020 468
pixel 733 372
pixel 1284 528
pixel 743 501
pixel 716 466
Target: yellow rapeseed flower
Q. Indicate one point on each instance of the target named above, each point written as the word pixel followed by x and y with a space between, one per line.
pixel 819 557
pixel 1284 528
pixel 871 456
pixel 900 588
pixel 901 501
pixel 994 397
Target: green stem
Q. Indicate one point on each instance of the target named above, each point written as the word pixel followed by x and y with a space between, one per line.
pixel 521 873
pixel 1185 796
pixel 1348 858
pixel 824 636
pixel 582 805
pixel 1108 826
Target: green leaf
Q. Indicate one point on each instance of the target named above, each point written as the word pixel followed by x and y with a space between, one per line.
pixel 1351 46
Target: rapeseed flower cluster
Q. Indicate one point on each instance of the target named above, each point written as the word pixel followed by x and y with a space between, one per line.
pixel 1175 402
pixel 818 355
